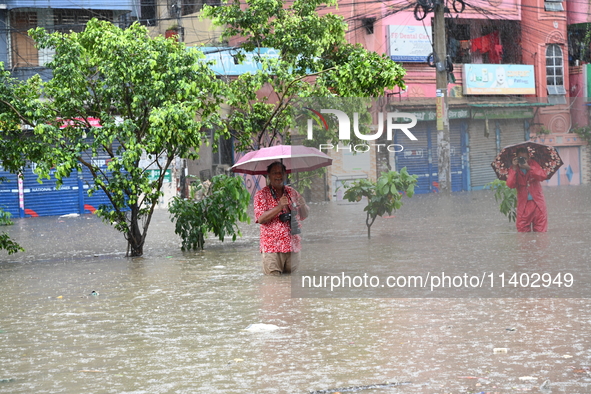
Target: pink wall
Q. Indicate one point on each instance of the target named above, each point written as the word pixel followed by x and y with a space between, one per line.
pixel 570 169
pixel 578 11
pixel 578 108
pixel 541 28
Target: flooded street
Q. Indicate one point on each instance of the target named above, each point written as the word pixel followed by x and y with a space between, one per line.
pixel 191 322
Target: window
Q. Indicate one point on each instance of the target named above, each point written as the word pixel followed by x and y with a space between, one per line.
pixel 67 20
pixel 148 12
pixel 553 5
pixel 579 44
pixel 555 74
pixel 179 8
pixel 461 34
pixel 24 53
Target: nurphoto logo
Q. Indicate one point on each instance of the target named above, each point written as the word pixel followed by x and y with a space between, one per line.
pixel 392 119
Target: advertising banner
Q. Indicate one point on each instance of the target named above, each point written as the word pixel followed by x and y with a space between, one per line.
pixel 409 43
pixel 499 79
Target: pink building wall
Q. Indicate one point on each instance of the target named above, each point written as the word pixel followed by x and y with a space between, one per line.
pixel 578 11
pixel 541 28
pixel 578 102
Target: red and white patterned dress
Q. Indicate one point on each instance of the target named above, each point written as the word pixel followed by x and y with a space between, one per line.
pixel 276 235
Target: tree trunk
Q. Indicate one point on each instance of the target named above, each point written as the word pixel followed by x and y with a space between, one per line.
pixel 369 224
pixel 135 240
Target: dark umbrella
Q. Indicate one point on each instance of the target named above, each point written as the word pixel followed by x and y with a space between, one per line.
pixel 546 156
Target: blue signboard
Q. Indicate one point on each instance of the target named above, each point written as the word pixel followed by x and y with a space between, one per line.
pixel 224 59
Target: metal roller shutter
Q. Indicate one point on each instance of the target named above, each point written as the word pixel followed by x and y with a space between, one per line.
pixel 420 157
pixel 512 131
pixel 458 155
pixel 9 193
pixel 98 198
pixel 100 159
pixel 416 157
pixel 44 199
pixel 483 151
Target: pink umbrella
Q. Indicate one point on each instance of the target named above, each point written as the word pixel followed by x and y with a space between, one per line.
pixel 296 158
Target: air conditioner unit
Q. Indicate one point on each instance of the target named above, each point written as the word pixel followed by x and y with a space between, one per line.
pixel 221 168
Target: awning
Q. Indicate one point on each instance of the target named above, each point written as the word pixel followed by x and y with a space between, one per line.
pixel 499 110
pixel 500 104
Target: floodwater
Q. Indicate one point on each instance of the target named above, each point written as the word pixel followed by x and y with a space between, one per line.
pixel 174 322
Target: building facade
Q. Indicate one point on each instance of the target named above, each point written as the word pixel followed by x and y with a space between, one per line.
pixel 25 197
pixel 519 72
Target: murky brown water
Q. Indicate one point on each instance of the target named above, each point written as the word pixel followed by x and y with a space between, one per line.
pixel 174 322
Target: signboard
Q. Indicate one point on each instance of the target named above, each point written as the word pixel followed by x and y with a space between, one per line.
pixel 224 60
pixel 409 43
pixel 503 113
pixel 155 174
pixel 499 79
pixel 94 122
pixel 426 116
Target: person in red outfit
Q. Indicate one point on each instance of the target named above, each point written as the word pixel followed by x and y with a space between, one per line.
pixel 280 239
pixel 525 175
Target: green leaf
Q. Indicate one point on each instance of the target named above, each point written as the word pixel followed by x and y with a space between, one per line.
pixel 212 212
pixel 143 90
pixel 382 195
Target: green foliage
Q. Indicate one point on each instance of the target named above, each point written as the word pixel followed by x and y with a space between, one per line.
pixel 18 100
pixel 153 97
pixel 314 60
pixel 383 196
pixel 215 207
pixel 5 242
pixel 584 132
pixel 5 218
pixel 9 245
pixel 506 197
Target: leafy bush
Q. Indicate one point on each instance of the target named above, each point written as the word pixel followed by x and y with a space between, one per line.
pixel 506 196
pixel 584 132
pixel 215 206
pixel 383 196
pixel 5 218
pixel 5 242
pixel 9 245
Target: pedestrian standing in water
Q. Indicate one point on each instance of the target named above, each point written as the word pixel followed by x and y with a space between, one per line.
pixel 525 175
pixel 279 208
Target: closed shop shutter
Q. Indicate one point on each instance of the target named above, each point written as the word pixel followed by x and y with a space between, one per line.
pixel 458 154
pixel 483 151
pixel 417 157
pixel 512 131
pixel 420 157
pixel 98 198
pixel 44 199
pixel 9 193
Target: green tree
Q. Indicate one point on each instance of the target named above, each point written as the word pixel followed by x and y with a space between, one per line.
pixel 506 197
pixel 12 147
pixel 152 96
pixel 5 242
pixel 584 132
pixel 314 61
pixel 215 207
pixel 384 195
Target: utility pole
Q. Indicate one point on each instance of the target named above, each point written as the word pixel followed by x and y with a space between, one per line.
pixel 179 20
pixel 443 140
